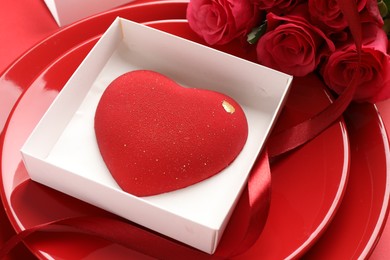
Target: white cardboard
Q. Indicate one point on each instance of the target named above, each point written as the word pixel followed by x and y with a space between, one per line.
pixel 68 11
pixel 62 152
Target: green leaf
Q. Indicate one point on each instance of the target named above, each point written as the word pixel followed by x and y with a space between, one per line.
pixel 387 3
pixel 386 26
pixel 257 32
pixel 383 8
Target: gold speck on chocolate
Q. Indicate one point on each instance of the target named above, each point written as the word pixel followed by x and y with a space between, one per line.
pixel 228 107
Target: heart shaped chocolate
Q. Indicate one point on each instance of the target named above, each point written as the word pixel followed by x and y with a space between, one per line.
pixel 156 136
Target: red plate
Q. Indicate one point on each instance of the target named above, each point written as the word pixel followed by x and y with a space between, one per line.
pixel 290 192
pixel 31 203
pixel 360 220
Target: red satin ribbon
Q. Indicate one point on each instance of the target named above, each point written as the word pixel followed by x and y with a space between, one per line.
pixel 300 134
pixel 255 197
pixel 257 192
pixel 242 232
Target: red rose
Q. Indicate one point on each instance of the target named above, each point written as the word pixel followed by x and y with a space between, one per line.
pixel 374 76
pixel 220 21
pixel 328 16
pixel 276 6
pixel 292 45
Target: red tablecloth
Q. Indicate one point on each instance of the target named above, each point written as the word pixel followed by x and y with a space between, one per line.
pixel 23 23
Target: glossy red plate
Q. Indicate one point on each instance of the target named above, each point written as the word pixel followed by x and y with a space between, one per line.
pixel 303 196
pixel 320 166
pixel 31 203
pixel 362 215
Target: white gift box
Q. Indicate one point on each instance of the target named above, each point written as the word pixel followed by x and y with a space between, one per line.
pixel 68 11
pixel 62 151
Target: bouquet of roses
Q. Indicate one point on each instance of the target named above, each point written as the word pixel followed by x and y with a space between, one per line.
pixel 299 37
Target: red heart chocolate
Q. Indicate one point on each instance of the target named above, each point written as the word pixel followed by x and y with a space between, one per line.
pixel 156 136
